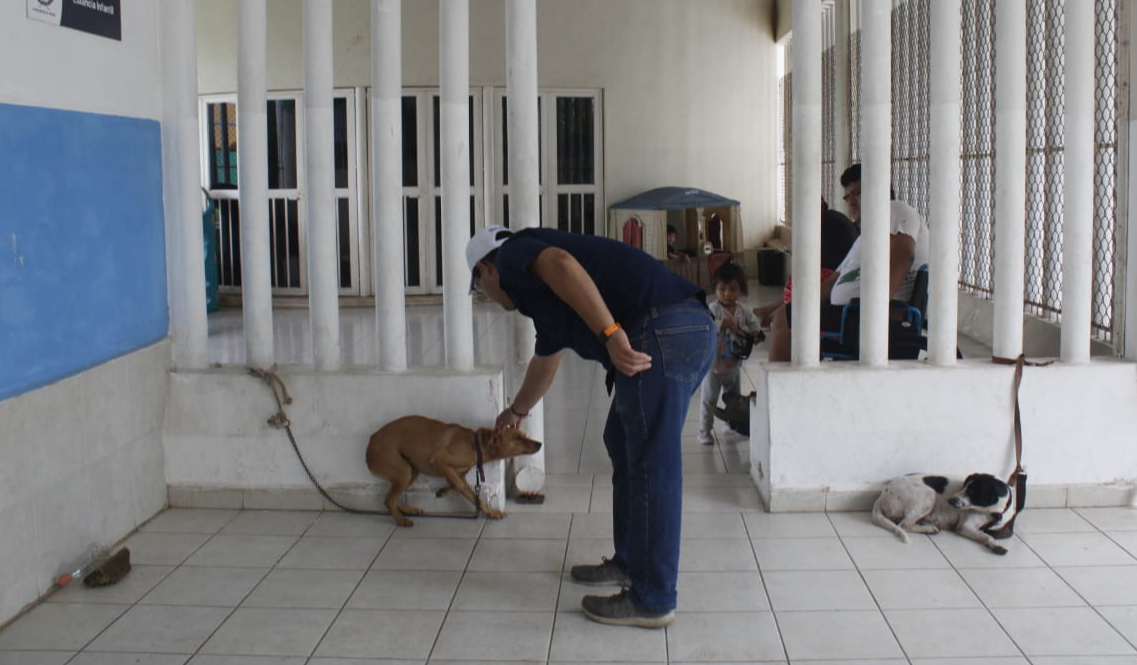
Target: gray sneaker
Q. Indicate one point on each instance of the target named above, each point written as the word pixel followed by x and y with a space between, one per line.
pixel 622 610
pixel 607 573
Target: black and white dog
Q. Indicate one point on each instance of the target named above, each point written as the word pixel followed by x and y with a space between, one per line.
pixel 930 504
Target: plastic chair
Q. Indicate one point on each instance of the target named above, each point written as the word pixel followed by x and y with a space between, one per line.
pixel 907 323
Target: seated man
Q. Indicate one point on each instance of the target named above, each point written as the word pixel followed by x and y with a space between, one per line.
pixel 838 234
pixel 908 251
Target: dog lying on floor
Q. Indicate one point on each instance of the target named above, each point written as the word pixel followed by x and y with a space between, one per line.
pixel 404 448
pixel 930 504
pixel 736 414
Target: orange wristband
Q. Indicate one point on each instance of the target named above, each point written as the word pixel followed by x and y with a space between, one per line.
pixel 608 332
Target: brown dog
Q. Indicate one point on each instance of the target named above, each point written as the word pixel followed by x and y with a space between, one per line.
pixel 404 448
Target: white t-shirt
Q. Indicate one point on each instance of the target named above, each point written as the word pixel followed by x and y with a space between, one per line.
pixel 905 220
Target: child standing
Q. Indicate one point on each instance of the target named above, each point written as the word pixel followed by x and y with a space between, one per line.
pixel 735 324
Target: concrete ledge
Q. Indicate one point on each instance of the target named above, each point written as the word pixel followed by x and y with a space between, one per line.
pixel 1041 337
pixel 221 453
pixel 828 438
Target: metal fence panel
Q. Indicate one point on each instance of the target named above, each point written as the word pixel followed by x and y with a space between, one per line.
pixel 1106 114
pixel 977 126
pixel 1045 117
pixel 785 144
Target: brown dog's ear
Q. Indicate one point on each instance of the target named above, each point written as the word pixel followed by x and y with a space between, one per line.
pixel 492 442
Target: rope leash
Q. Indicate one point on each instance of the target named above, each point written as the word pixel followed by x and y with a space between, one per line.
pixel 280 420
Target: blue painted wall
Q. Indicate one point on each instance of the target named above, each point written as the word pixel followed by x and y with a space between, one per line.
pixel 82 242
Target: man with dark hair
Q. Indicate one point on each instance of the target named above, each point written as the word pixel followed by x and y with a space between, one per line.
pixel 851 183
pixel 652 331
pixel 908 252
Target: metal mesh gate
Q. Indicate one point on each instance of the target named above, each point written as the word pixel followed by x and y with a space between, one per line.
pixel 828 67
pixel 1106 114
pixel 855 96
pixel 785 149
pixel 1045 116
pixel 910 117
pixel 1045 165
pixel 977 126
pixel 827 148
pixel 1044 158
pixel 829 166
pixel 1045 113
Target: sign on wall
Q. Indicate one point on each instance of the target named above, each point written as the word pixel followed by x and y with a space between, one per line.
pixel 98 17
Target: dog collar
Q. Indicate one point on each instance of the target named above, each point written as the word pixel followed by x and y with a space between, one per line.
pixel 481 474
pixel 989 527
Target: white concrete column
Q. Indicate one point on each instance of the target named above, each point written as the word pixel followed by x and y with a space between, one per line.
pixel 1010 176
pixel 454 60
pixel 524 201
pixel 1078 197
pixel 806 195
pixel 252 179
pixel 842 78
pixel 943 213
pixel 387 183
pixel 320 210
pixel 876 160
pixel 181 166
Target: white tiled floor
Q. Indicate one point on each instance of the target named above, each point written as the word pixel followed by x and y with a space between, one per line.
pixel 216 587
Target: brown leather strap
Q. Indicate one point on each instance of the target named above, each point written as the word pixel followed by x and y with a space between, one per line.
pixel 1018 363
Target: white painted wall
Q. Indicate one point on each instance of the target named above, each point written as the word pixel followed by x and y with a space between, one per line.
pixel 862 427
pixel 56 67
pixel 689 87
pixel 81 462
pixel 221 453
pixel 783 19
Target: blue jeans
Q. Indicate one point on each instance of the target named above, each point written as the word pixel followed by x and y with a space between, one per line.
pixel 643 434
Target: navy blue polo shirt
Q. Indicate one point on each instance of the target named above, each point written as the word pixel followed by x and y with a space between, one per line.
pixel 629 281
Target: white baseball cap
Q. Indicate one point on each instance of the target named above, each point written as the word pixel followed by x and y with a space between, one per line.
pixel 484 242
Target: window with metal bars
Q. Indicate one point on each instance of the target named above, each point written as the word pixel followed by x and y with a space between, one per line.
pixel 785 130
pixel 1045 117
pixel 828 149
pixel 910 103
pixel 977 147
pixel 829 168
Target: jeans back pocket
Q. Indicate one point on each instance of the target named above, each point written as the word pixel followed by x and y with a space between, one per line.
pixel 685 350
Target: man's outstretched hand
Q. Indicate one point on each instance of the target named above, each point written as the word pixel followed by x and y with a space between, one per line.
pixel 626 359
pixel 507 420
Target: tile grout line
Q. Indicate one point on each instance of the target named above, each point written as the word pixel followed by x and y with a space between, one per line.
pixel 271 568
pixel 450 606
pixel 1132 644
pixel 233 611
pixel 560 586
pixel 765 589
pixel 347 600
pixel 876 601
pixel 174 570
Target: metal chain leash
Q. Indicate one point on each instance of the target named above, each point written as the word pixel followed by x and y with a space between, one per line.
pixel 280 420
